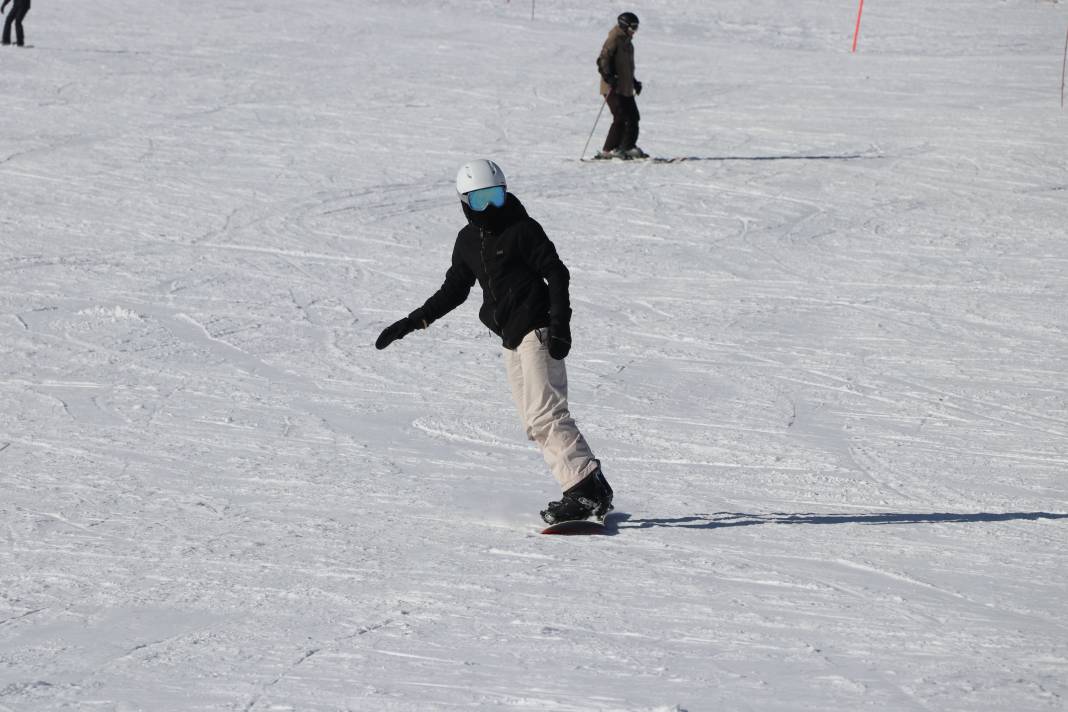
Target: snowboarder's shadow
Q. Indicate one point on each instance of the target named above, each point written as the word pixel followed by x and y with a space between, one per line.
pixel 717 520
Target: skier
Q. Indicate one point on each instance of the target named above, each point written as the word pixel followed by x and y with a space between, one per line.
pixel 525 301
pixel 18 12
pixel 619 87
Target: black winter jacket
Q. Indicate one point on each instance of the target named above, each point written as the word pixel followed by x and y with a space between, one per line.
pixel 524 283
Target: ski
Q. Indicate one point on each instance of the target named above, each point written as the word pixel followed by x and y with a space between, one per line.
pixel 649 159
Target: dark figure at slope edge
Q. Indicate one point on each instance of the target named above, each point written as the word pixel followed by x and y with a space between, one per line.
pixel 18 12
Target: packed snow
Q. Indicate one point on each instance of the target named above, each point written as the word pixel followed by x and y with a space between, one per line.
pixel 824 362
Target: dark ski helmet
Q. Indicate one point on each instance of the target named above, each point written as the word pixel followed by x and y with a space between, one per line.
pixel 627 21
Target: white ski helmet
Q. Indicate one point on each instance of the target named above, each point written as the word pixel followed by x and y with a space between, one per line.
pixel 482 173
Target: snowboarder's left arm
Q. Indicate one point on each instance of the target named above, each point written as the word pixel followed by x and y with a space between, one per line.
pixel 540 253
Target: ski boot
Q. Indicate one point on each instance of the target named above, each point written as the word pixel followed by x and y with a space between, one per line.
pixel 635 152
pixel 590 498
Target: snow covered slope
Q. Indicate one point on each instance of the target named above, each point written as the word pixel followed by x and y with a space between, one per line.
pixel 825 365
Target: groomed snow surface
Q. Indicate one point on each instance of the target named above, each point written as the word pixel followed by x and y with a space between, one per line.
pixel 824 366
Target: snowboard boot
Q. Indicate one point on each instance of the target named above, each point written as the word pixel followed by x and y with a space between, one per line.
pixel 590 498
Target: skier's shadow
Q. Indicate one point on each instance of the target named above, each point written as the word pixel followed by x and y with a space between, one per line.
pixel 717 520
pixel 795 157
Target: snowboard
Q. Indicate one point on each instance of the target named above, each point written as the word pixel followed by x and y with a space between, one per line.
pixel 593 525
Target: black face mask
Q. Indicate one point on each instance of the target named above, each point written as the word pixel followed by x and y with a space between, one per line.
pixel 493 219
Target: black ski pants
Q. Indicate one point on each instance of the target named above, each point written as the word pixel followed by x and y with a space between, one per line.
pixel 623 133
pixel 18 11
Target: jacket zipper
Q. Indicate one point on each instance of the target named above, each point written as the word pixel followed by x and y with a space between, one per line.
pixel 485 268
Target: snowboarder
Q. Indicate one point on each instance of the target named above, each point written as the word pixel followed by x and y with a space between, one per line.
pixel 18 12
pixel 525 301
pixel 619 87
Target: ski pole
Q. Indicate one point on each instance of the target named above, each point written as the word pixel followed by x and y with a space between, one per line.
pixel 1064 63
pixel 599 112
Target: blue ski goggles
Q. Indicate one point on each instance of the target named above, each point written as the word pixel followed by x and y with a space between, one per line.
pixel 479 200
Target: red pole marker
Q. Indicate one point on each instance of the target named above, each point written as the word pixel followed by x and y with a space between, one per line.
pixel 856 32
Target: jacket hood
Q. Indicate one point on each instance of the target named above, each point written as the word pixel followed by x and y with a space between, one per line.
pixel 496 220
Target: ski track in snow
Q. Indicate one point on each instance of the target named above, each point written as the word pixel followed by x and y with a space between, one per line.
pixel 822 359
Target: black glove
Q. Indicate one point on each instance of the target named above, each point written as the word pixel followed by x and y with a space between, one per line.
pixel 637 87
pixel 559 341
pixel 396 330
pixel 610 79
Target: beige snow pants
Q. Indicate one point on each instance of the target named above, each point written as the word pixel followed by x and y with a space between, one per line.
pixel 539 388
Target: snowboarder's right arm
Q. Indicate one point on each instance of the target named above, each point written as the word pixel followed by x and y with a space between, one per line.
pixel 453 292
